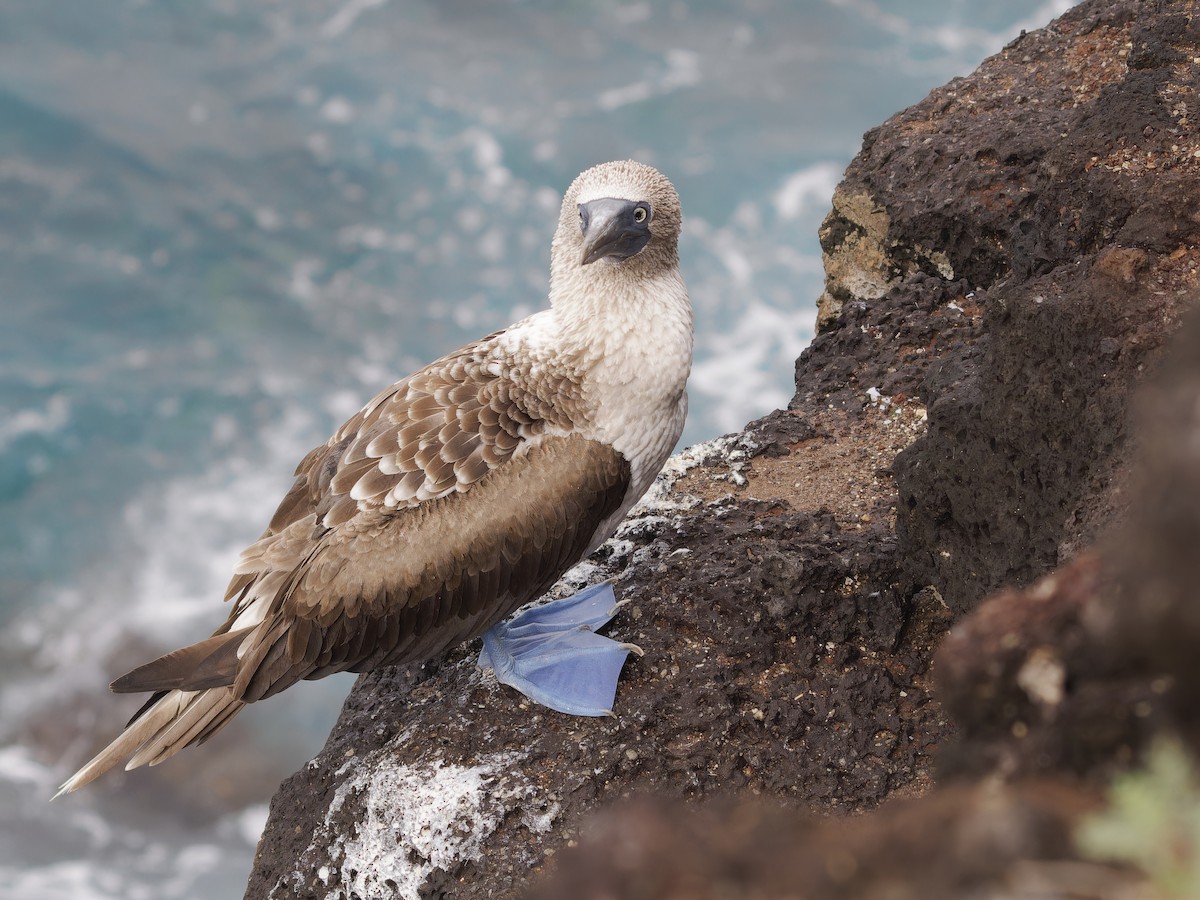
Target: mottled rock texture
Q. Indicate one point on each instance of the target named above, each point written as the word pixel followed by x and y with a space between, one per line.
pixel 1059 182
pixel 1006 262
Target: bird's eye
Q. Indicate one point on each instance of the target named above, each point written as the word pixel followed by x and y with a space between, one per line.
pixel 640 214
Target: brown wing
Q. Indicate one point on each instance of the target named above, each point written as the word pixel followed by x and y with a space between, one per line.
pixel 409 585
pixel 377 554
pixel 435 433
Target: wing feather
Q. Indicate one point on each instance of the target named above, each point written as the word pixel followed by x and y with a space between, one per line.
pixel 419 524
pixel 424 579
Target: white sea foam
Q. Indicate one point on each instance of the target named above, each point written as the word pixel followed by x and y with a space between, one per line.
pixel 338 110
pixel 744 368
pixel 154 871
pixel 186 536
pixel 808 191
pixel 251 821
pixel 346 17
pixel 75 879
pixel 45 419
pixel 952 39
pixel 680 69
pixel 18 766
pixel 738 371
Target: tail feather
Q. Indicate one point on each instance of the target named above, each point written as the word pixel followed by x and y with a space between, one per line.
pixel 209 663
pixel 200 709
pixel 218 722
pixel 172 723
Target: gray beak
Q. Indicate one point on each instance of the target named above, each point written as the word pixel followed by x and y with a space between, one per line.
pixel 611 228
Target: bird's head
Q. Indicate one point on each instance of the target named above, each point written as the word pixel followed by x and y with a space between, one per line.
pixel 618 214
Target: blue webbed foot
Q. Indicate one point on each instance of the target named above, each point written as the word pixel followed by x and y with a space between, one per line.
pixel 552 654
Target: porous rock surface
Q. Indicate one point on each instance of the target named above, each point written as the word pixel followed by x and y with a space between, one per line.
pixel 1006 263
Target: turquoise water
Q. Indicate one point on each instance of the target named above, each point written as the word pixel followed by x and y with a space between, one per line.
pixel 224 224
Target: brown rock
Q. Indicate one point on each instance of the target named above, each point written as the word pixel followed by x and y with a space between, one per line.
pixel 959 843
pixel 1059 181
pixel 1029 686
pixel 1152 623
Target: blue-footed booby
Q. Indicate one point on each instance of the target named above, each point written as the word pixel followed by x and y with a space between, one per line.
pixel 461 493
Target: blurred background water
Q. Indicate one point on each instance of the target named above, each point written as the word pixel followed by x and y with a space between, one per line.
pixel 224 224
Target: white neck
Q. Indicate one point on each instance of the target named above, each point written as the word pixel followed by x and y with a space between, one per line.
pixel 633 338
pixel 610 319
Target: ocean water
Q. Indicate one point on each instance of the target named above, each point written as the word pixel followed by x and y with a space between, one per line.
pixel 224 224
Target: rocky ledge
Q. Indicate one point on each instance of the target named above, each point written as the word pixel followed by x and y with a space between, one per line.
pixel 1008 263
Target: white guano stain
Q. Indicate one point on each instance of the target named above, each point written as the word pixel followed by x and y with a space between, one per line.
pixel 419 817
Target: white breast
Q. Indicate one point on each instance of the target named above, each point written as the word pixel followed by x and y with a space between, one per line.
pixel 630 342
pixel 637 384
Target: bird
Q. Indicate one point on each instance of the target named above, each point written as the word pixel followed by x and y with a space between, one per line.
pixel 461 493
